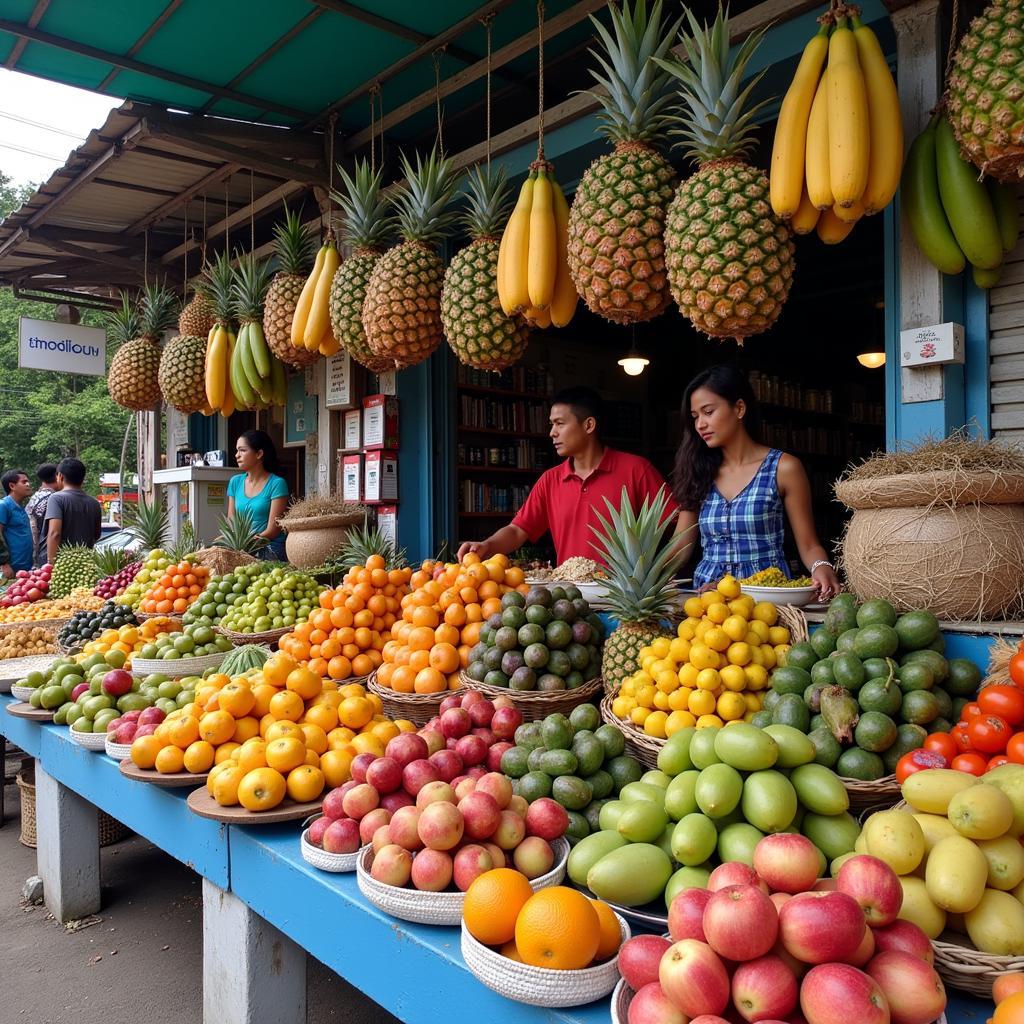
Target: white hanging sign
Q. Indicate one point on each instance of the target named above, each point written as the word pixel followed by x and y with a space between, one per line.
pixel 67 348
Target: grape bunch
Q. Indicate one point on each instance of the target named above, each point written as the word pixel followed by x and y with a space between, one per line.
pixel 221 594
pixel 111 586
pixel 277 599
pixel 156 562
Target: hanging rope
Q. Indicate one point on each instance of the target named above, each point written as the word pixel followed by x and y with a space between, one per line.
pixel 145 258
pixel 332 126
pixel 227 223
pixel 487 23
pixel 436 55
pixel 951 50
pixel 252 212
pixel 374 95
pixel 202 251
pixel 184 284
pixel 540 79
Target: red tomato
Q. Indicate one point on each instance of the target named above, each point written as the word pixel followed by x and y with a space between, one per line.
pixel 961 738
pixel 995 762
pixel 1017 667
pixel 970 711
pixel 973 764
pixel 917 761
pixel 1005 701
pixel 1015 748
pixel 942 743
pixel 988 734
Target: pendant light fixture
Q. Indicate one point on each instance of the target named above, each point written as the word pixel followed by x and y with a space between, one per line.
pixel 634 362
pixel 872 351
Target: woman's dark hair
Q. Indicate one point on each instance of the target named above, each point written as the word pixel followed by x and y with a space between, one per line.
pixel 260 441
pixel 696 464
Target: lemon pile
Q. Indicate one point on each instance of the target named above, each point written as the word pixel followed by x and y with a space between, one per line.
pixel 713 672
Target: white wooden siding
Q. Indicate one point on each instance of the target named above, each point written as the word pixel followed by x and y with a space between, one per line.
pixel 1006 348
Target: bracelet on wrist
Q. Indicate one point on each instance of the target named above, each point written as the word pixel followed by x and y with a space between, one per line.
pixel 819 563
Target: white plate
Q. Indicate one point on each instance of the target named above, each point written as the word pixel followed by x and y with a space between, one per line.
pixel 798 596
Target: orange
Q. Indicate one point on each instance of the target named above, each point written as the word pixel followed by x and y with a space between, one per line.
pixel 305 783
pixel 492 905
pixel 430 680
pixel 1006 985
pixel 225 785
pixel 509 950
pixel 263 692
pixel 611 932
pixel 316 737
pixel 237 698
pixel 226 751
pixel 444 657
pixel 252 754
pixel 385 731
pixel 421 638
pixel 367 743
pixel 246 728
pixel 199 756
pixel 304 682
pixel 185 730
pixel 558 928
pixel 322 715
pixel 262 789
pixel 355 712
pixel 144 751
pixel 215 771
pixel 286 753
pixel 336 766
pixel 1010 1010
pixel 170 759
pixel 216 727
pixel 312 757
pixel 287 705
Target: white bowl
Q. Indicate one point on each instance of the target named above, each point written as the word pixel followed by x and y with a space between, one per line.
pixel 324 861
pixel 797 596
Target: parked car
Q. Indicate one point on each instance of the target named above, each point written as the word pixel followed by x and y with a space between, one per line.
pixel 118 539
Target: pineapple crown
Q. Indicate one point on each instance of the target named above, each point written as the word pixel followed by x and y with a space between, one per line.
pixel 422 199
pixel 239 534
pixel 362 541
pixel 714 124
pixel 294 244
pixel 147 522
pixel 250 279
pixel 635 91
pixel 159 310
pixel 125 323
pixel 367 223
pixel 489 201
pixel 185 545
pixel 219 281
pixel 640 566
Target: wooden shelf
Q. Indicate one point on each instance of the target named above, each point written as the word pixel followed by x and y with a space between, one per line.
pixel 498 469
pixel 486 515
pixel 501 433
pixel 480 390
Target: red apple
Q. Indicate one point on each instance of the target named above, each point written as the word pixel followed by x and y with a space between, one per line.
pixel 713 1018
pixel 478 771
pixel 392 865
pixel 494 754
pixel 117 682
pixel 498 857
pixel 406 747
pixel 764 988
pixel 372 821
pixel 84 688
pixel 533 857
pixel 865 951
pixel 740 922
pixel 471 697
pixel 435 792
pixel 639 958
pixel 447 764
pixel 906 937
pixel 315 835
pixel 470 862
pixel 818 927
pixel 779 898
pixel 360 801
pixel 650 1005
pixel 912 988
pixel 497 785
pixel 360 765
pixel 787 861
pixel 875 886
pixel 440 826
pixel 381 838
pixel 154 715
pixel 146 730
pixel 464 785
pixel 131 716
pixel 333 805
pixel 824 885
pixel 510 832
pixel 686 915
pixel 456 722
pixel 341 836
pixel 431 870
pixel 735 873
pixel 384 774
pixel 841 994
pixel 434 740
pixel 473 750
pixel 392 801
pixel 481 712
pixel 481 813
pixel 404 828
pixel 453 700
pixel 486 735
pixel 416 774
pixel 505 722
pixel 546 818
pixel 694 978
pixel 126 732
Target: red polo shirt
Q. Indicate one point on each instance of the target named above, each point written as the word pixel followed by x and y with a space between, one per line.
pixel 568 506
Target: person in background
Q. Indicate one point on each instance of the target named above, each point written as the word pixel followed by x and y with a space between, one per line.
pixel 72 516
pixel 15 530
pixel 568 498
pixel 260 491
pixel 36 509
pixel 740 491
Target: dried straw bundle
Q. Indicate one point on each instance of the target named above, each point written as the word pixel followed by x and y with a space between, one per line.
pixel 220 560
pixel 318 511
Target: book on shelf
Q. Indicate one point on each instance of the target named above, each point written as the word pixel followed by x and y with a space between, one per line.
pixel 506 415
pixel 534 380
pixel 479 497
pixel 519 454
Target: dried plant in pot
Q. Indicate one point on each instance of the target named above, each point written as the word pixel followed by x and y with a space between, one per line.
pixel 317 527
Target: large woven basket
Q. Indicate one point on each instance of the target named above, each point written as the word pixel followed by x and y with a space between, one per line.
pixel 270 636
pixel 418 708
pixel 437 907
pixel 963 967
pixel 111 830
pixel 795 621
pixel 643 747
pixel 537 704
pixel 877 795
pixel 312 540
pixel 177 668
pixel 540 986
pixel 22 692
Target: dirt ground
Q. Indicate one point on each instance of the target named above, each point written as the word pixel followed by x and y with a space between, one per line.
pixel 140 960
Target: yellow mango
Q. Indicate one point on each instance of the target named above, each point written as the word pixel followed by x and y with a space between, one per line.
pixel 934 827
pixel 918 908
pixel 896 838
pixel 931 790
pixel 956 874
pixel 996 924
pixel 981 812
pixel 1005 858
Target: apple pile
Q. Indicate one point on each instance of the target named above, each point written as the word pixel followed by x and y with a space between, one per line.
pixel 131 724
pixel 112 586
pixel 478 730
pixel 772 943
pixel 28 585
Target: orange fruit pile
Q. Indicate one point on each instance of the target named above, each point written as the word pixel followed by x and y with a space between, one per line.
pixel 129 639
pixel 441 621
pixel 176 589
pixel 345 636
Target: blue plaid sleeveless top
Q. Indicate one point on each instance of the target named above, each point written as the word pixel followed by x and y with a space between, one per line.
pixel 746 534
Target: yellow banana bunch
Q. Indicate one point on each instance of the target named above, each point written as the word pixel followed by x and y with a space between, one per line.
pixel 220 395
pixel 311 324
pixel 533 267
pixel 838 150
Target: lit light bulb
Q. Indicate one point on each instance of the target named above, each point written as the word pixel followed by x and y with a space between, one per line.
pixel 634 363
pixel 872 360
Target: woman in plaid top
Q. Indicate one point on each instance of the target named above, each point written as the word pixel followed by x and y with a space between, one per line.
pixel 739 491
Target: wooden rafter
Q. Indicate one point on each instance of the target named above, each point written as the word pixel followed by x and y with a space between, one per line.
pixel 182 158
pixel 131 64
pixel 130 265
pixel 182 198
pixel 19 44
pixel 139 43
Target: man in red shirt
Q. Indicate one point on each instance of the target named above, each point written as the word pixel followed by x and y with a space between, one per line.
pixel 568 498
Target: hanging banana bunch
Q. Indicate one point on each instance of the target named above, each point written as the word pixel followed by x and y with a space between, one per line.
pixel 311 325
pixel 257 376
pixel 220 342
pixel 838 147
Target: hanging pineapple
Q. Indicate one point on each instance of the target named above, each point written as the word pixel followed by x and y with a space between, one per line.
pixel 221 340
pixel 478 331
pixel 294 247
pixel 134 377
pixel 196 318
pixel 402 309
pixel 182 374
pixel 617 219
pixel 729 256
pixel 367 226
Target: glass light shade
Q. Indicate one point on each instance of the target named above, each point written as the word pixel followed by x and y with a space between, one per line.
pixel 872 360
pixel 634 364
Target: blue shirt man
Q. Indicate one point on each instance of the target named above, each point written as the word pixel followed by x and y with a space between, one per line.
pixel 15 527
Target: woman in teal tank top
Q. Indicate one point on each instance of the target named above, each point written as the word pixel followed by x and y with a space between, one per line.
pixel 259 491
pixel 740 492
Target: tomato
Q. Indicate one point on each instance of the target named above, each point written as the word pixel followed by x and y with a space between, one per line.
pixel 1005 701
pixel 973 764
pixel 961 738
pixel 917 761
pixel 988 734
pixel 942 743
pixel 1016 667
pixel 995 762
pixel 1015 748
pixel 970 711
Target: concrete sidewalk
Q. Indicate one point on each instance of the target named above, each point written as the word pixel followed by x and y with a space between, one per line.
pixel 140 961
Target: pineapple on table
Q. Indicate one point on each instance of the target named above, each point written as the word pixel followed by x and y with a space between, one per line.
pixel 729 256
pixel 617 219
pixel 641 565
pixel 402 309
pixel 134 377
pixel 294 249
pixel 363 541
pixel 477 329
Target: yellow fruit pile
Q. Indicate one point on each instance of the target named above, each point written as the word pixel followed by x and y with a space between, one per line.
pixel 23 643
pixel 275 732
pixel 80 599
pixel 715 669
pixel 128 639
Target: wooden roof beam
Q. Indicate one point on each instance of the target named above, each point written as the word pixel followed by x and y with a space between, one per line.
pixel 130 64
pixel 107 259
pixel 183 198
pixel 158 22
pixel 19 44
pixel 115 239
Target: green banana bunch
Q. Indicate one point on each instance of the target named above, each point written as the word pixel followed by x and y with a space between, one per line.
pixel 257 375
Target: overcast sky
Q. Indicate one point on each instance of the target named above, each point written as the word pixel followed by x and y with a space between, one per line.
pixel 62 117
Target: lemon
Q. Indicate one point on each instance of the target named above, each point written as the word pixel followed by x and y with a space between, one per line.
pixel 752 638
pixel 702 702
pixel 718 613
pixel 688 673
pixel 679 719
pixel 729 586
pixel 659 666
pixel 709 720
pixel 667 682
pixel 739 654
pixel 781 650
pixel 717 640
pixel 645 695
pixel 679 649
pixel 752 700
pixel 731 706
pixel 639 715
pixel 748 717
pixel 710 597
pixel 762 631
pixel 742 606
pixel 757 676
pixel 768 655
pixel 628 688
pixel 702 627
pixel 756 657
pixel 778 635
pixel 702 657
pixel 687 630
pixel 733 678
pixel 694 607
pixel 654 724
pixel 679 699
pixel 709 679
pixel 647 662
pixel 735 627
pixel 661 701
pixel 766 612
pixel 623 706
pixel 660 646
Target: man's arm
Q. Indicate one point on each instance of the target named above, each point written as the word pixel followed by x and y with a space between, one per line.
pixel 5 556
pixel 530 523
pixel 502 542
pixel 54 531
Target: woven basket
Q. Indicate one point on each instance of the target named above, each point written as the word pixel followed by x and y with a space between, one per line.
pixel 55 624
pixel 324 861
pixel 418 708
pixel 110 829
pixel 271 636
pixel 643 747
pixel 22 692
pixel 795 621
pixel 437 907
pixel 622 996
pixel 537 704
pixel 964 968
pixel 540 986
pixel 177 668
pixel 118 751
pixel 89 740
pixel 878 795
